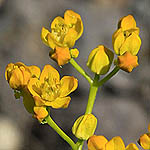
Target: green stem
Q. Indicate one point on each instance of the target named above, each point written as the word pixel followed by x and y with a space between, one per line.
pixel 90 104
pixel 92 95
pixel 111 74
pixel 81 71
pixel 61 133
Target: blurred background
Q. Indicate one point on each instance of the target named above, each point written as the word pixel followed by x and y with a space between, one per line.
pixel 122 105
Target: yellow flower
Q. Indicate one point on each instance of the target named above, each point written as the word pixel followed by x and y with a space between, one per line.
pixel 127 62
pixel 97 142
pixel 101 143
pixel 64 31
pixel 100 60
pixel 84 126
pixel 19 74
pixel 126 38
pixel 144 140
pixel 49 90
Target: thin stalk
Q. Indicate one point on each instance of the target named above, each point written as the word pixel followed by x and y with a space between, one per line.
pixel 111 74
pixel 92 95
pixel 81 71
pixel 61 133
pixel 90 104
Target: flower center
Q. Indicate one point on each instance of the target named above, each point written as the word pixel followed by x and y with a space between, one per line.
pixel 50 89
pixel 59 32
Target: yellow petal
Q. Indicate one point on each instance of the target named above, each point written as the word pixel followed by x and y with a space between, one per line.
pixel 49 72
pixel 51 42
pixel 59 102
pixel 61 55
pixel 32 87
pixel 26 75
pixel 70 38
pixel 40 113
pixel 132 44
pixel 72 18
pixel 91 56
pixel 8 71
pixel 97 142
pixel 57 22
pixel 118 40
pixel 44 34
pixel 116 143
pixel 127 62
pixel 145 141
pixel 132 146
pixel 68 85
pixel 35 71
pixel 16 79
pixel 127 22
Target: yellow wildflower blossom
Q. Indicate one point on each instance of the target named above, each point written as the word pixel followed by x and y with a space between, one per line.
pixel 84 126
pixel 19 74
pixel 144 140
pixel 100 60
pixel 116 143
pixel 126 38
pixel 64 31
pixel 49 90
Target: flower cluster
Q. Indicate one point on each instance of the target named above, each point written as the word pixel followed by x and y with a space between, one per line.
pixel 40 89
pixel 126 43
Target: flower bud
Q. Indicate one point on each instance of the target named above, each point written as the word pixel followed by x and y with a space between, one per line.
pixel 126 38
pixel 97 142
pixel 19 74
pixel 100 60
pixel 84 126
pixel 74 53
